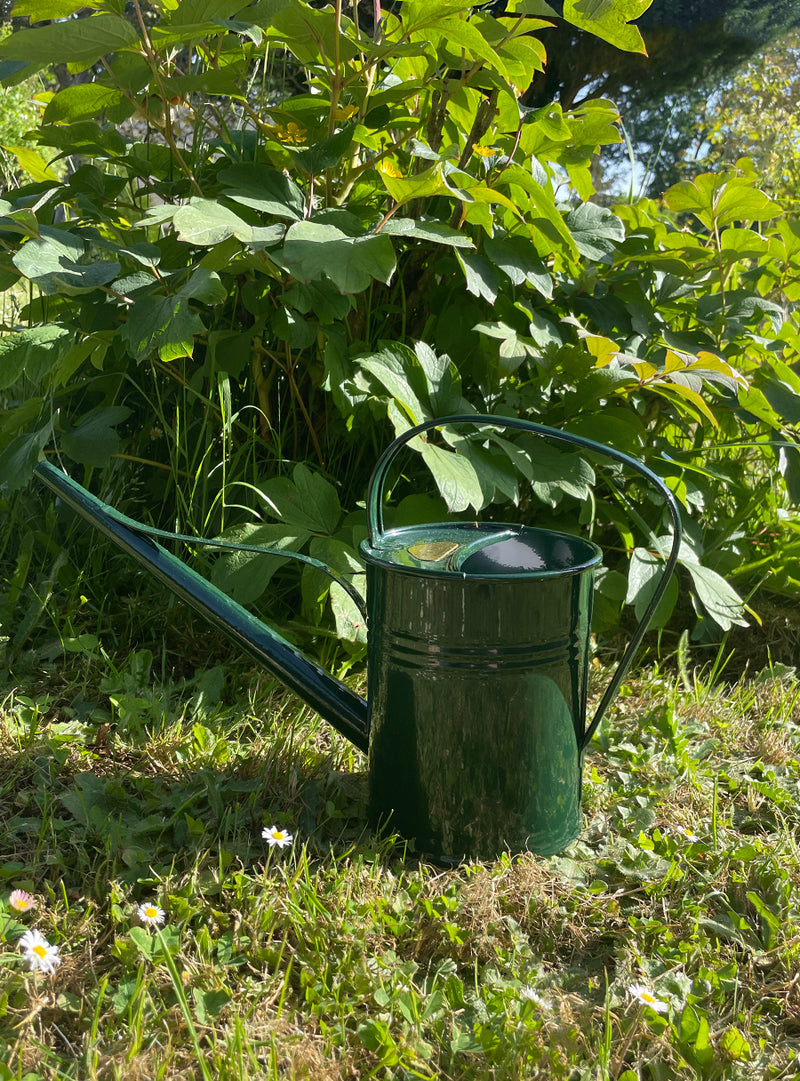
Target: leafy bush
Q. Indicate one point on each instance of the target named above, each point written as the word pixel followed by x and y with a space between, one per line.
pixel 286 234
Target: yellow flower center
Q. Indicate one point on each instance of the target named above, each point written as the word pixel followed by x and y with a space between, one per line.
pixel 647 997
pixel 40 951
pixel 22 904
pixel 151 913
pixel 278 835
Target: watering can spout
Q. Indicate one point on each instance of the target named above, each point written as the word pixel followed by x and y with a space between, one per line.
pixel 335 702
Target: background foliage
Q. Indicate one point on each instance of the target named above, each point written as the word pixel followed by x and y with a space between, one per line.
pixel 282 236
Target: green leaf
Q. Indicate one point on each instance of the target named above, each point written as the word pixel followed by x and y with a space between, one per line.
pixel 245 575
pixel 644 574
pixel 481 276
pixel 455 477
pixel 325 153
pixel 419 186
pixel 39 10
pixel 209 1004
pixel 34 351
pixel 595 230
pixel 74 41
pixel 313 251
pixel 517 258
pixel 93 440
pixel 51 261
pixel 204 222
pixel 307 500
pixel 31 162
pixel 396 367
pixel 341 559
pixel 721 601
pixel 735 1045
pixel 83 101
pixel 609 20
pixel 18 459
pixel 556 474
pixel 206 286
pixel 262 188
pixel 427 229
pixel 163 325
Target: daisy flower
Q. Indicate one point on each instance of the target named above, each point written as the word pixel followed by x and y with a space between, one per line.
pixel 647 998
pixel 40 955
pixel 150 915
pixel 274 836
pixel 687 834
pixel 21 901
pixel 530 995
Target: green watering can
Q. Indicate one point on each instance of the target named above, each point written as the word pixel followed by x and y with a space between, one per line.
pixel 475 722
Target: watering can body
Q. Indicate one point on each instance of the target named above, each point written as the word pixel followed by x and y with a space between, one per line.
pixel 475 723
pixel 477 688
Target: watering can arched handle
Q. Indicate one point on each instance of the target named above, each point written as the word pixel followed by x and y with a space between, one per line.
pixel 376 527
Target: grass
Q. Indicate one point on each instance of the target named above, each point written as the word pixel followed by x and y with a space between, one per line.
pixel 343 955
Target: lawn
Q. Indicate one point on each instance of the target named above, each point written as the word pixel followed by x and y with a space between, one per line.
pixel 662 944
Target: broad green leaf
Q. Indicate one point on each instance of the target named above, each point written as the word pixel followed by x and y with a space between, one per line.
pixel 645 571
pixel 31 162
pixel 18 459
pixel 83 101
pixel 556 473
pixel 458 36
pixel 94 440
pixel 325 153
pixel 312 251
pixel 720 600
pixel 455 477
pixel 263 188
pixel 39 10
pixel 33 351
pixel 721 199
pixel 595 230
pixel 516 257
pixel 735 1045
pixel 610 20
pixel 52 262
pixel 481 276
pixel 209 1004
pixel 427 229
pixel 419 186
pixel 206 286
pixel 307 501
pixel 162 325
pixel 342 560
pixel 397 368
pixel 205 222
pixel 244 575
pixel 74 41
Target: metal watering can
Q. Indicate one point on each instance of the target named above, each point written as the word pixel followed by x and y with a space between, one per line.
pixel 478 659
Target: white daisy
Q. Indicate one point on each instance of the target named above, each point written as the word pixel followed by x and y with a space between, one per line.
pixel 150 915
pixel 21 901
pixel 39 953
pixel 274 836
pixel 687 834
pixel 647 998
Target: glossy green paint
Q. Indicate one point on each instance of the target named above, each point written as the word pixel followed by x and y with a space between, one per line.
pixel 477 691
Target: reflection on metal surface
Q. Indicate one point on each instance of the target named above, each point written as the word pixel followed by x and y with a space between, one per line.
pixel 432 551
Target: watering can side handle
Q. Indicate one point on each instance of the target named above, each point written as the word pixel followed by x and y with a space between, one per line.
pixel 376 528
pixel 256 549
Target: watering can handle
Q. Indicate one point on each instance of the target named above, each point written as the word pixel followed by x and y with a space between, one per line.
pixel 376 528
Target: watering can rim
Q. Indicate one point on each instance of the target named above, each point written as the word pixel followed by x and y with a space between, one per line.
pixel 371 551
